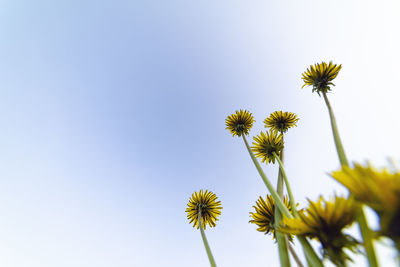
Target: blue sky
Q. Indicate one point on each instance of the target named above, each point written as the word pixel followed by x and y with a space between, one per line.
pixel 112 115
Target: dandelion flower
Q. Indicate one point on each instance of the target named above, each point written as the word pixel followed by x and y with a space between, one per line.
pixel 205 204
pixel 240 122
pixel 264 215
pixel 266 144
pixel 281 121
pixel 320 76
pixel 325 220
pixel 380 190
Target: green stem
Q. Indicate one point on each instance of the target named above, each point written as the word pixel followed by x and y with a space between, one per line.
pixel 294 254
pixel 203 235
pixel 308 262
pixel 271 189
pixel 308 250
pixel 278 214
pixel 289 189
pixel 367 237
pixel 281 237
pixel 279 187
pixel 361 219
pixel 335 131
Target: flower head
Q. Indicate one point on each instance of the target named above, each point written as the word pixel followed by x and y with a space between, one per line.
pixel 320 76
pixel 266 144
pixel 379 189
pixel 281 121
pixel 264 215
pixel 240 122
pixel 325 220
pixel 203 204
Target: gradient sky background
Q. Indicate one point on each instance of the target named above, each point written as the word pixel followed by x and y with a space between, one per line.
pixel 112 115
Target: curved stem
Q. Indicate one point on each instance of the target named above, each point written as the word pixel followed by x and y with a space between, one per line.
pixel 308 250
pixel 203 235
pixel 289 189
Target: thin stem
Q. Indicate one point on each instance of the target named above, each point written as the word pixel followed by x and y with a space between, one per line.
pixel 281 238
pixel 278 215
pixel 274 194
pixel 279 187
pixel 308 250
pixel 289 189
pixel 336 136
pixel 361 219
pixel 308 262
pixel 367 238
pixel 203 235
pixel 295 257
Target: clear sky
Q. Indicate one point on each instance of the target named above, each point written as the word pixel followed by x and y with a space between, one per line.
pixel 112 115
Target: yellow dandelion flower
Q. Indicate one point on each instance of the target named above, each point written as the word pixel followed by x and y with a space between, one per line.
pixel 264 215
pixel 379 189
pixel 240 122
pixel 266 144
pixel 320 76
pixel 281 121
pixel 205 204
pixel 324 221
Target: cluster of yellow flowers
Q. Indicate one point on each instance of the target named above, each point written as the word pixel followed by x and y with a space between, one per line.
pixel 323 220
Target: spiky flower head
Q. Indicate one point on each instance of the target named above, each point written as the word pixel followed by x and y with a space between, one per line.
pixel 266 144
pixel 320 76
pixel 380 190
pixel 281 121
pixel 324 221
pixel 240 122
pixel 264 215
pixel 205 204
